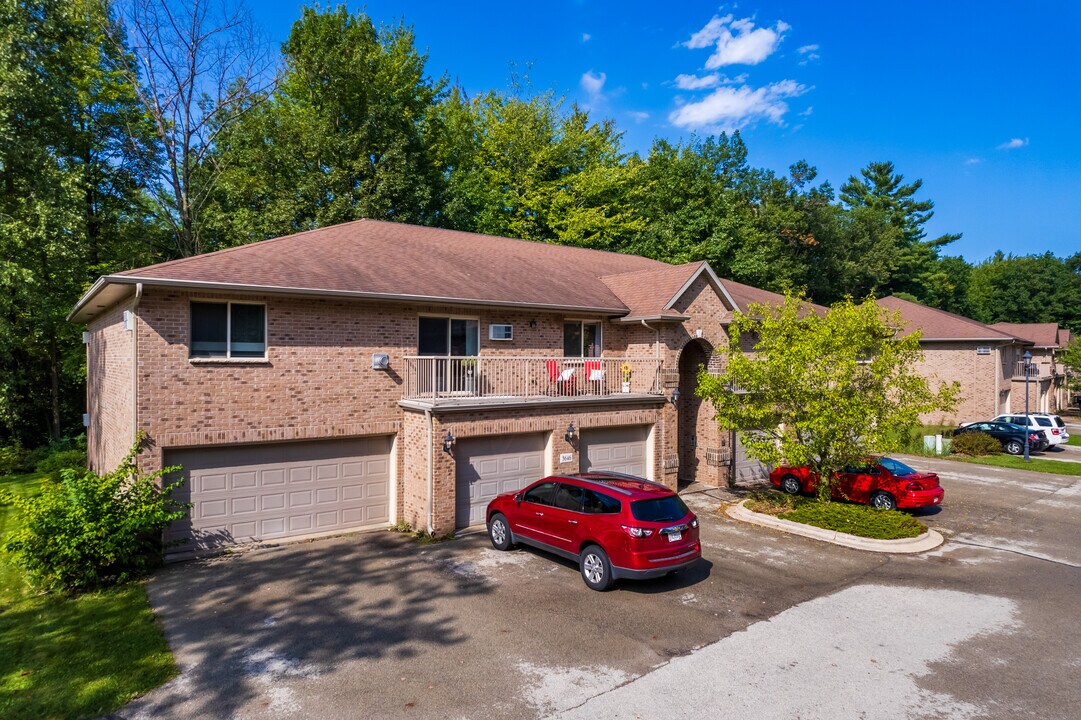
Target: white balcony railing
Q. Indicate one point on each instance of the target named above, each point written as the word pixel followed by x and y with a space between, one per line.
pixel 431 378
pixel 1035 370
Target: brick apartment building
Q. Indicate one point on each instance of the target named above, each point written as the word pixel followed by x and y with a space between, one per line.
pixel 358 375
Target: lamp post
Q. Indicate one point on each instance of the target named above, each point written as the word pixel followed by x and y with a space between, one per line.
pixel 1027 357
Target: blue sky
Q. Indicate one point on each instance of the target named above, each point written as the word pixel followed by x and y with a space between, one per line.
pixel 982 100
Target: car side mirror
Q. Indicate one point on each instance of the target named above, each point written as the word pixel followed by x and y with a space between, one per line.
pixel 518 498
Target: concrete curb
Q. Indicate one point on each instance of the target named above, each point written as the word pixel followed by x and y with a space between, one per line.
pixel 922 543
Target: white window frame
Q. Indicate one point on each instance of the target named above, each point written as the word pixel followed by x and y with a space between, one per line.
pixel 491 332
pixel 448 318
pixel 229 331
pixel 600 334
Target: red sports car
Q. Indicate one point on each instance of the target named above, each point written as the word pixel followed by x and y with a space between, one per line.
pixel 613 525
pixel 883 482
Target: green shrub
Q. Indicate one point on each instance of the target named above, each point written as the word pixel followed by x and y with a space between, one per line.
pixel 861 520
pixel 974 444
pixel 85 532
pixel 62 460
pixel 12 459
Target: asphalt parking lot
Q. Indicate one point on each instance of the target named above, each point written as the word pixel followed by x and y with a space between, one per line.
pixel 768 626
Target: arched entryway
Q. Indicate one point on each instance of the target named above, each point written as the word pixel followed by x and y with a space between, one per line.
pixel 701 451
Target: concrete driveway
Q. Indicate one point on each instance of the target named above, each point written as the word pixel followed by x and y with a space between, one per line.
pixel 769 626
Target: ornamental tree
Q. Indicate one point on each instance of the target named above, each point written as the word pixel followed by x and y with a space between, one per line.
pixel 822 388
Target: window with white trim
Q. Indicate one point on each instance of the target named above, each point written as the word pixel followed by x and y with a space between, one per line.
pixel 448 336
pixel 228 330
pixel 581 338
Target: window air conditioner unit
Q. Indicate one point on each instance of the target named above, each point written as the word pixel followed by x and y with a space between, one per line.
pixel 500 332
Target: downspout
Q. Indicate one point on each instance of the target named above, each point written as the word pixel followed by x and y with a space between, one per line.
pixel 431 471
pixel 135 362
pixel 998 372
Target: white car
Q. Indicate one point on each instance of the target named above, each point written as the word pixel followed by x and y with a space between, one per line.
pixel 1040 422
pixel 1056 422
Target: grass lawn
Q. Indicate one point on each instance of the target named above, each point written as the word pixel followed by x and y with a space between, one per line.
pixel 72 657
pixel 862 520
pixel 1074 440
pixel 1057 467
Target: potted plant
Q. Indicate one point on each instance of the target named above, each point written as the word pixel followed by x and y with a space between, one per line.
pixel 625 372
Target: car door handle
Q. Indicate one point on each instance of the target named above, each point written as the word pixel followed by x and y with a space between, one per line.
pixel 540 514
pixel 573 522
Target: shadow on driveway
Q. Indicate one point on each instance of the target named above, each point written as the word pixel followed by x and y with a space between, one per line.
pixel 239 624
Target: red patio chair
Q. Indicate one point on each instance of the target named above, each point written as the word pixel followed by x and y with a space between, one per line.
pixel 563 380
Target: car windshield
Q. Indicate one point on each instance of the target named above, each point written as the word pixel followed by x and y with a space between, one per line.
pixel 896 467
pixel 663 509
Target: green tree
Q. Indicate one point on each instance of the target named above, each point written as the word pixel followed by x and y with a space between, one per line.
pixel 881 189
pixel 70 198
pixel 821 390
pixel 1027 289
pixel 347 134
pixel 520 165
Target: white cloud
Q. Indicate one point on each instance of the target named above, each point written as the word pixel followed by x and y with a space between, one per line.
pixel 1013 144
pixel 973 161
pixel 704 82
pixel 586 37
pixel 738 42
pixel 731 108
pixel 593 83
pixel 694 82
pixel 807 113
pixel 638 116
pixel 809 53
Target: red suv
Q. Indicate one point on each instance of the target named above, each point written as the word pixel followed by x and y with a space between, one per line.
pixel 614 525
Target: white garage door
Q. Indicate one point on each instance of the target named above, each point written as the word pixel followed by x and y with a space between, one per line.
pixel 267 491
pixel 620 449
pixel 489 466
pixel 747 469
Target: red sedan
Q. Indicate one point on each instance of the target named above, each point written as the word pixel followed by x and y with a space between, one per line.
pixel 883 482
pixel 613 525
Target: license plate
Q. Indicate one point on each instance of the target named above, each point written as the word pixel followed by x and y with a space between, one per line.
pixel 675 537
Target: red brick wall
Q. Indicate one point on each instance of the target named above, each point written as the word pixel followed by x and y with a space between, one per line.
pixel 110 383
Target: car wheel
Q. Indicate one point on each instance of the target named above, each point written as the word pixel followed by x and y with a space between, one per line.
pixel 499 532
pixel 883 501
pixel 596 570
pixel 790 484
pixel 1014 447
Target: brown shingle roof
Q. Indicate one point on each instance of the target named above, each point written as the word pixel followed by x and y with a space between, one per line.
pixel 377 259
pixel 1040 334
pixel 936 324
pixel 382 258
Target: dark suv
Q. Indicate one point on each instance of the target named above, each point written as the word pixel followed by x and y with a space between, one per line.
pixel 614 526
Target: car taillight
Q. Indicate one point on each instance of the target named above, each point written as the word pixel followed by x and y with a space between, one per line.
pixel 637 532
pixel 1054 431
pixel 913 486
pixel 1034 437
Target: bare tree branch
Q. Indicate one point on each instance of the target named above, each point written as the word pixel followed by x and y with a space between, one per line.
pixel 199 60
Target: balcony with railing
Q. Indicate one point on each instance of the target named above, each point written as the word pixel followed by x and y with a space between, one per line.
pixel 1035 371
pixel 450 380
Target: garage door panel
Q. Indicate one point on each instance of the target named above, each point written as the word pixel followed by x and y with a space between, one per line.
pixel 270 491
pixel 618 449
pixel 271 478
pixel 489 466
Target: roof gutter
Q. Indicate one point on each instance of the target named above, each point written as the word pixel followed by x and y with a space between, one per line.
pixel 105 280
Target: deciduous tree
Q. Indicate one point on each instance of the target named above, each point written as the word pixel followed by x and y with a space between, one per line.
pixel 821 389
